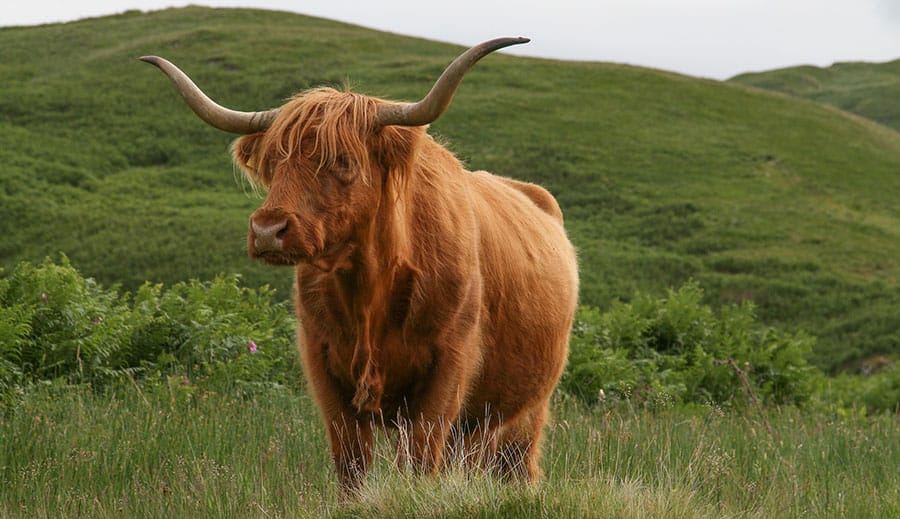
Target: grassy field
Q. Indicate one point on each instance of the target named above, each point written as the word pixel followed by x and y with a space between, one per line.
pixel 178 452
pixel 662 177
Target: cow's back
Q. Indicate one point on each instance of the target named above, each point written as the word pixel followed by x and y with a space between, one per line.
pixel 538 195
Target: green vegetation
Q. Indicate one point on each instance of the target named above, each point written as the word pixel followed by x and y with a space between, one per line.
pixel 175 397
pixel 178 397
pixel 678 350
pixel 871 90
pixel 158 453
pixel 663 178
pixel 186 401
pixel 56 326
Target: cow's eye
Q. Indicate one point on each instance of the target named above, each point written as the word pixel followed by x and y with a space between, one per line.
pixel 344 170
pixel 345 176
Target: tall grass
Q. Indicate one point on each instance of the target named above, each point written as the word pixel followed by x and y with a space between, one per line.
pixel 162 454
pixel 165 452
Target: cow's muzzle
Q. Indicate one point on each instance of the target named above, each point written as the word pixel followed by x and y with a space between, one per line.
pixel 268 237
pixel 272 237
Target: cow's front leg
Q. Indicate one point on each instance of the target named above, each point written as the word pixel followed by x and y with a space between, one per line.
pixel 351 451
pixel 349 432
pixel 432 413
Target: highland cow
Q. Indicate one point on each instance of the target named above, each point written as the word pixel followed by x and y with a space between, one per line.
pixel 428 297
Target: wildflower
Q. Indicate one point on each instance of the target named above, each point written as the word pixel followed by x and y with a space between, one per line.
pixel 252 348
pixel 43 296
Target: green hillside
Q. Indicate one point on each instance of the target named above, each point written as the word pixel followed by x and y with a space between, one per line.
pixel 662 177
pixel 871 90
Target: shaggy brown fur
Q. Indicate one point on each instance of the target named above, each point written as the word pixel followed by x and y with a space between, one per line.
pixel 428 296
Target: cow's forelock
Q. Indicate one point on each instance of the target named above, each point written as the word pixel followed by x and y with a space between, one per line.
pixel 325 125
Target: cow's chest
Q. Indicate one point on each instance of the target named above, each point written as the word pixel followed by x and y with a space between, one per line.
pixel 344 321
pixel 405 366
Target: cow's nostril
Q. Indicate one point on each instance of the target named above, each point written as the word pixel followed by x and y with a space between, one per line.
pixel 281 232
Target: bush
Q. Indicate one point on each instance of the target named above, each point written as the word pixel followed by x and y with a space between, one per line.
pixel 55 324
pixel 59 328
pixel 677 349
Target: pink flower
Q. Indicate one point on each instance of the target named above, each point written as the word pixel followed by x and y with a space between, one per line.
pixel 252 348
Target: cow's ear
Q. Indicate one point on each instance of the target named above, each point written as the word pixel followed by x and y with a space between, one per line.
pixel 245 153
pixel 397 146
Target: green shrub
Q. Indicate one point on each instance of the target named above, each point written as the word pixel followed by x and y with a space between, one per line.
pixel 853 394
pixel 218 332
pixel 56 324
pixel 62 324
pixel 59 327
pixel 677 349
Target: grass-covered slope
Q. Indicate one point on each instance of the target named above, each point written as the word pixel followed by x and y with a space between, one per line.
pixel 871 90
pixel 662 177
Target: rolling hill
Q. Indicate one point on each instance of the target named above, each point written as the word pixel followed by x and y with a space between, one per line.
pixel 663 178
pixel 871 90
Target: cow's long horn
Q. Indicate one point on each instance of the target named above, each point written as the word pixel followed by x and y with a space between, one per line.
pixel 438 99
pixel 208 110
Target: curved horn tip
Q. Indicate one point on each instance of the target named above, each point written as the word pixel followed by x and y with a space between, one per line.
pixel 154 60
pixel 506 42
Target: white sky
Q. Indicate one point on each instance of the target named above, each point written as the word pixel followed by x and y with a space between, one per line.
pixel 707 38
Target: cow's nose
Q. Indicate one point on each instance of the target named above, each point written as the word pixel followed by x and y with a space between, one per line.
pixel 268 236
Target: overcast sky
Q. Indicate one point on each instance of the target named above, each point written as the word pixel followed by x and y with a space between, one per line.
pixel 707 38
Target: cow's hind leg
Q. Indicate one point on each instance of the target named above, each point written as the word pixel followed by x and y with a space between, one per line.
pixel 473 443
pixel 519 448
